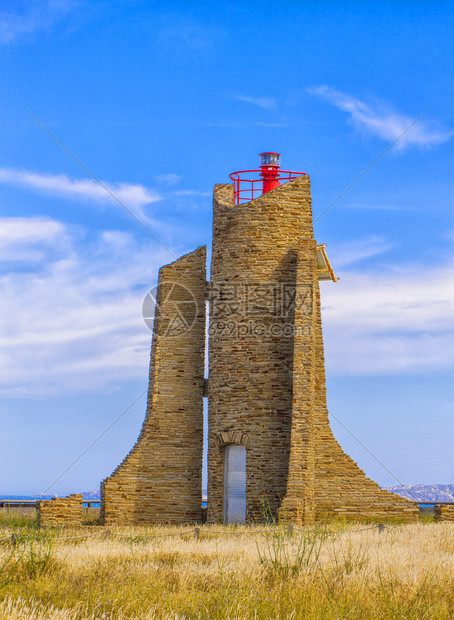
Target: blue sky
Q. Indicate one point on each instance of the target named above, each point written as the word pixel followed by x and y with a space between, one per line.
pixel 162 100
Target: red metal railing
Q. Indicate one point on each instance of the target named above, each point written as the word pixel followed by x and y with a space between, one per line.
pixel 246 189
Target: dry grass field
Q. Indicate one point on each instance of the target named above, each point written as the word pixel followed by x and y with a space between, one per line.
pixel 407 571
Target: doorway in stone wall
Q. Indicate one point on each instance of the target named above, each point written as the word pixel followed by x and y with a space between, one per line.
pixel 234 484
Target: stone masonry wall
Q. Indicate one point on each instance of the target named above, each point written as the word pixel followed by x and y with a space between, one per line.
pixel 444 513
pixel 61 510
pixel 267 380
pixel 253 271
pixel 160 480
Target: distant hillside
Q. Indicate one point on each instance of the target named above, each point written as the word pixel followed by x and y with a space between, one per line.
pixel 425 492
pixel 92 494
pixel 415 492
pixel 422 493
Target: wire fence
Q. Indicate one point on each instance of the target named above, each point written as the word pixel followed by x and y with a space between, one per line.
pixel 198 532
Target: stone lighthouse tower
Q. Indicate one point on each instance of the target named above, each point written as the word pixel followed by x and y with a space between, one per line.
pixel 271 451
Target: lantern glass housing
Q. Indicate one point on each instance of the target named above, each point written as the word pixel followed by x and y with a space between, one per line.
pixel 270 159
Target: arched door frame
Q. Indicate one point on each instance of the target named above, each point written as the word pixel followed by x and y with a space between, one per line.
pixel 234 480
pixel 234 491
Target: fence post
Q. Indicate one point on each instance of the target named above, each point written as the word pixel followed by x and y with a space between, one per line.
pixel 381 528
pixel 13 540
pixel 290 529
pixel 197 533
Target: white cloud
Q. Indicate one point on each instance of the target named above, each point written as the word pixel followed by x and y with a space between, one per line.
pixel 345 254
pixel 379 206
pixel 133 196
pixel 232 125
pixel 170 178
pixel 71 319
pixel 398 321
pixel 24 18
pixel 180 35
pixel 378 119
pixel 277 125
pixel 20 230
pixel 268 103
pixel 27 239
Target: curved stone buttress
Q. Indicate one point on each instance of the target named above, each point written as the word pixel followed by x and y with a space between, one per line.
pixel 322 479
pixel 160 480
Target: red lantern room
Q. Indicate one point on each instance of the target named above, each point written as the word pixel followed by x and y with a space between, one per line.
pixel 249 184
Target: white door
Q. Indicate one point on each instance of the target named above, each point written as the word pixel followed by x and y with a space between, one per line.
pixel 234 484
